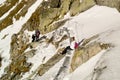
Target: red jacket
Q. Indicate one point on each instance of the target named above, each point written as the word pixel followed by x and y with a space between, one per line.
pixel 76 45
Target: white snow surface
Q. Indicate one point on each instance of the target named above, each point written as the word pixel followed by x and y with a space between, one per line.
pixel 81 1
pixel 104 21
pixel 37 60
pixel 1 1
pixel 10 30
pixel 97 20
pixel 109 58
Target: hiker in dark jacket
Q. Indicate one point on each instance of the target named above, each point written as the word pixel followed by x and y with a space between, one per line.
pixel 74 45
pixel 66 49
pixel 37 34
pixel 35 37
pixel 71 47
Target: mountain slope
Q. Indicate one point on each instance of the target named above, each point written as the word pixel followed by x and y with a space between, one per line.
pixel 22 59
pixel 9 31
pixel 105 65
pixel 91 24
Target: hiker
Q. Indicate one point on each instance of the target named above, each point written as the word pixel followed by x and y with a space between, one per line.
pixel 35 37
pixel 74 45
pixel 37 34
pixel 71 47
pixel 78 44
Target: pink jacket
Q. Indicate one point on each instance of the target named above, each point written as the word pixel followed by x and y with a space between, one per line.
pixel 74 45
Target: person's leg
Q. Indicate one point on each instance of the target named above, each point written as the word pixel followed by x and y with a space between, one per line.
pixel 66 49
pixel 33 38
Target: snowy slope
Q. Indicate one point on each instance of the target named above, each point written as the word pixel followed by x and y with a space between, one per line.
pixel 42 55
pixel 103 21
pixel 97 20
pixel 109 58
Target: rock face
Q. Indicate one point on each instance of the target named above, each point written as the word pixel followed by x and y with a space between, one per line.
pixel 15 12
pixel 109 3
pixel 48 12
pixel 77 7
pixel 4 8
pixel 53 10
pixel 17 46
pixel 50 63
pixel 83 54
pixel 18 65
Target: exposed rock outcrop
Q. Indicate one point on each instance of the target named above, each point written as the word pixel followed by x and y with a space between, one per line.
pixel 49 11
pixel 15 12
pixel 50 63
pixel 4 8
pixel 78 7
pixel 83 54
pixel 30 54
pixel 18 65
pixel 109 3
pixel 44 16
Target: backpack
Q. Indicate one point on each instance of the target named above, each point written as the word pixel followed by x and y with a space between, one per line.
pixel 37 33
pixel 76 45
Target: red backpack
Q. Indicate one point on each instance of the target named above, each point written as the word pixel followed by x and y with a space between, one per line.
pixel 76 45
